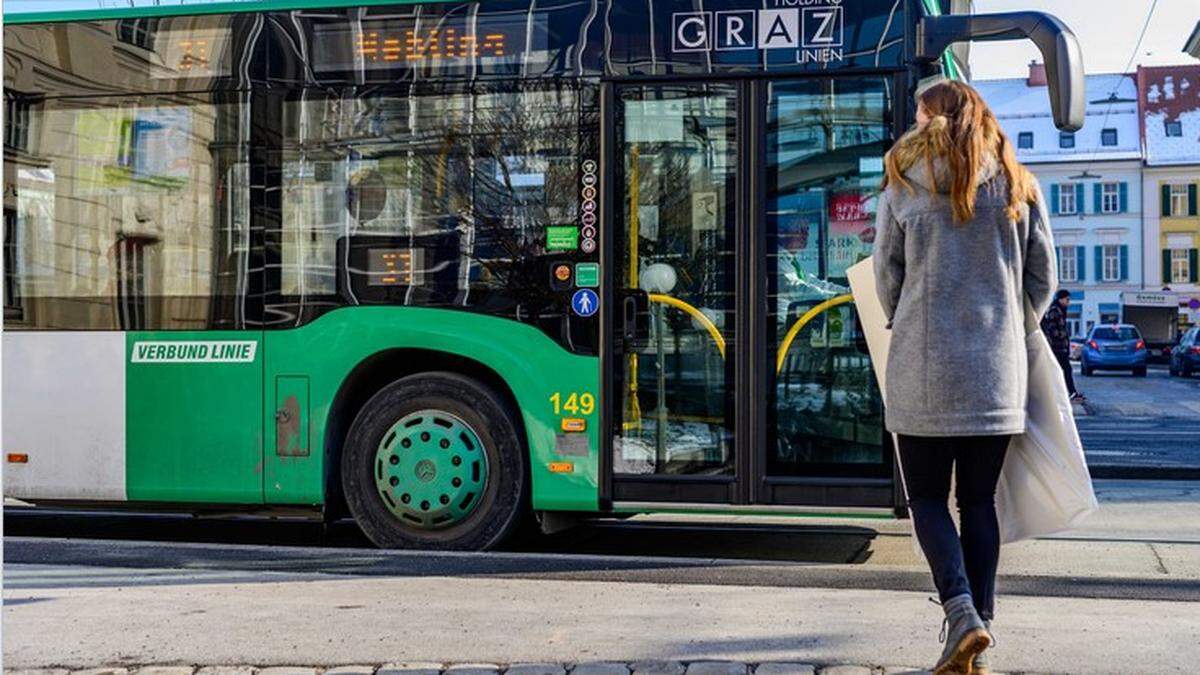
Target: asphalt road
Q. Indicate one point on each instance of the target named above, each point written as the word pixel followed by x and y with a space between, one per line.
pixel 1150 422
pixel 793 541
pixel 36 563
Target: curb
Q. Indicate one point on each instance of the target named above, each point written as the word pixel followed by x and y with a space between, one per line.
pixel 598 668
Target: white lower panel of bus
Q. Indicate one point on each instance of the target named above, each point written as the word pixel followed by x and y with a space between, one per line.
pixel 64 407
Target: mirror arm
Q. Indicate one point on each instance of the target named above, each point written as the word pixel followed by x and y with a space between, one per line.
pixel 1057 44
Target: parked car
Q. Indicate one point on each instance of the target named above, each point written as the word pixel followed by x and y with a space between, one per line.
pixel 1185 357
pixel 1076 348
pixel 1114 347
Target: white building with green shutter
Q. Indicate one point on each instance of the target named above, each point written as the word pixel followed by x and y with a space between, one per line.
pixel 1092 180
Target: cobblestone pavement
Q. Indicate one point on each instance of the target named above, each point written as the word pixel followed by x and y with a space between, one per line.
pixel 600 668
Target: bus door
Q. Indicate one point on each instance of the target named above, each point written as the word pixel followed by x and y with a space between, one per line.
pixel 738 372
pixel 674 266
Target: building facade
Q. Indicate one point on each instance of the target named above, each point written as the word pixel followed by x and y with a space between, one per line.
pixel 1092 180
pixel 1169 118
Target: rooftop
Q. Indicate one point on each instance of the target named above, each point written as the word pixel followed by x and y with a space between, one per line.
pixel 1170 108
pixel 1024 113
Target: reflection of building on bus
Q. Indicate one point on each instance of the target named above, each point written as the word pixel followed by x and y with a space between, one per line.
pixel 128 212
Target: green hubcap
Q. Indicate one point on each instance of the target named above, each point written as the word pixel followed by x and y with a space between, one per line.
pixel 431 469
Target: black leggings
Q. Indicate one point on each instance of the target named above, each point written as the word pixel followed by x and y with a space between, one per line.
pixel 1064 362
pixel 963 563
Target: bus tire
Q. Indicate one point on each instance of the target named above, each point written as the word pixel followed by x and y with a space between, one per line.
pixel 434 461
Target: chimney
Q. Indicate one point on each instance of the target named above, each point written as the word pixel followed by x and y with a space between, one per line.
pixel 1037 74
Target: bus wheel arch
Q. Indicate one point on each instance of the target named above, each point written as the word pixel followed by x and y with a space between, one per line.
pixel 377 371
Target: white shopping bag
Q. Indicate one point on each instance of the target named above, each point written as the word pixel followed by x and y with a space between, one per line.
pixel 879 339
pixel 1044 486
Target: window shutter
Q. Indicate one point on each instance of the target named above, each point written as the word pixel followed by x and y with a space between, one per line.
pixel 1058 261
pixel 1097 207
pixel 1098 273
pixel 1124 197
pixel 1192 199
pixel 1079 198
pixel 1193 273
pixel 1054 199
pixel 1124 263
pixel 1166 200
pixel 1166 265
pixel 1080 263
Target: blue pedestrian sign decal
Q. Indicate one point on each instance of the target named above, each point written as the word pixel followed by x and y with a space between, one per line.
pixel 585 302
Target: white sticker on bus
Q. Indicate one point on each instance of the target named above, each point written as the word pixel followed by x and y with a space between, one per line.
pixel 197 351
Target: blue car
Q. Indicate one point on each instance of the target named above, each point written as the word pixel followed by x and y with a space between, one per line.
pixel 1114 347
pixel 1185 357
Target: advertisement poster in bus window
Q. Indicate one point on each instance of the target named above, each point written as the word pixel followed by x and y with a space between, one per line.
pixel 851 230
pixel 160 144
pixel 799 217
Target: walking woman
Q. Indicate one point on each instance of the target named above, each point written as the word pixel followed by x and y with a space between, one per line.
pixel 963 240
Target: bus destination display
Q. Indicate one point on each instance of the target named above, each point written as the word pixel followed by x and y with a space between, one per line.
pixel 416 42
pixel 394 266
pixel 376 47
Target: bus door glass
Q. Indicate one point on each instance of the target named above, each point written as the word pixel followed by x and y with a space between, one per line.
pixel 825 145
pixel 674 239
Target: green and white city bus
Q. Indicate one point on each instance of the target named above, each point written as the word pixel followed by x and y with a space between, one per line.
pixel 445 266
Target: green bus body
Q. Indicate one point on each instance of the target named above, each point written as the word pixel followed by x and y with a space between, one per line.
pixel 166 410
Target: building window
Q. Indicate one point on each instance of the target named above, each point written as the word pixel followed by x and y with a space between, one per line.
pixel 1111 258
pixel 12 265
pixel 1181 270
pixel 1067 204
pixel 1073 327
pixel 16 121
pixel 1066 140
pixel 130 255
pixel 1110 198
pixel 1174 129
pixel 1025 140
pixel 1179 200
pixel 1108 137
pixel 1068 263
pixel 137 32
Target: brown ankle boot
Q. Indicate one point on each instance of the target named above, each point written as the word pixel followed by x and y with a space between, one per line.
pixel 981 665
pixel 965 637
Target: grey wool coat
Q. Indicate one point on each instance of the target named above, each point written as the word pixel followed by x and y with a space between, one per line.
pixel 954 296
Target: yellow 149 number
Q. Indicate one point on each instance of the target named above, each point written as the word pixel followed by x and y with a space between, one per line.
pixel 574 403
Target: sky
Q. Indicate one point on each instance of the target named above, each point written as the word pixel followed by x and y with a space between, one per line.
pixel 1107 31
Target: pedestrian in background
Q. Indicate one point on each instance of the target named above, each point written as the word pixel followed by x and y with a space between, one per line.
pixel 963 238
pixel 1054 325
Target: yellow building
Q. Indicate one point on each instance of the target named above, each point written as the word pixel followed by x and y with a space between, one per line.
pixel 1179 227
pixel 1169 111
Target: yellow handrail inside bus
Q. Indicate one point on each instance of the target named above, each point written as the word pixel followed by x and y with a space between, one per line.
pixel 696 314
pixel 803 321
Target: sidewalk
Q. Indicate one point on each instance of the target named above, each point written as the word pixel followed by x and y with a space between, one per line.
pixel 1118 596
pixel 185 618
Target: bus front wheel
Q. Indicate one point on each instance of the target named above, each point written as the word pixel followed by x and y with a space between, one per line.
pixel 434 461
